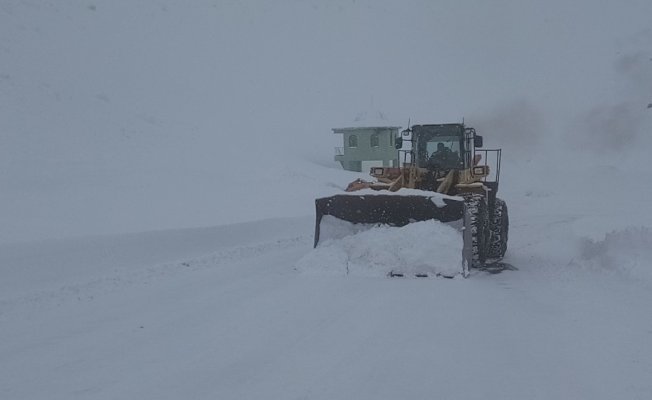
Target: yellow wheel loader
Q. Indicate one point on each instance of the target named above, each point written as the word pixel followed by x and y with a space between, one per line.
pixel 444 176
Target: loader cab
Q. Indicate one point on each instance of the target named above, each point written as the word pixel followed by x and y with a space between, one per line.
pixel 461 143
pixel 440 146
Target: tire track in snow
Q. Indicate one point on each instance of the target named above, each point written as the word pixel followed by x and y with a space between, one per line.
pixel 105 285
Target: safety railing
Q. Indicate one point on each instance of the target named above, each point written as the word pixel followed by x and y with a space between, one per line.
pixel 491 158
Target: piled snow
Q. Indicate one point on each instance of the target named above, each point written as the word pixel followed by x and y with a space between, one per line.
pixel 423 247
pixel 627 252
pixel 437 198
pixel 331 228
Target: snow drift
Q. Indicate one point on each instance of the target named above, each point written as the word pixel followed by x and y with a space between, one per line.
pixel 625 252
pixel 427 247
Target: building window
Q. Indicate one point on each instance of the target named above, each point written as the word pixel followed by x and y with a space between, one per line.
pixel 375 140
pixel 353 141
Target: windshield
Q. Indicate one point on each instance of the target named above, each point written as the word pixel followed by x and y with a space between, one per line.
pixel 440 152
pixel 439 146
pixel 449 142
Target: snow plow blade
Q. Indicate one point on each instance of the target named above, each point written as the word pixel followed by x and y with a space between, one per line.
pixel 392 210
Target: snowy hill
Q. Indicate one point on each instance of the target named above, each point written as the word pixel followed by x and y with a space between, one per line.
pixel 159 163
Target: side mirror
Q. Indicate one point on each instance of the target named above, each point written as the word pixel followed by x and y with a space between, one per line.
pixel 477 141
pixel 398 143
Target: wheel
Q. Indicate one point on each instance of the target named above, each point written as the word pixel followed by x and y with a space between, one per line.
pixel 499 231
pixel 478 223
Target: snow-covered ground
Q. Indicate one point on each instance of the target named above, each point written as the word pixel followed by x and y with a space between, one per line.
pixel 159 165
pixel 224 312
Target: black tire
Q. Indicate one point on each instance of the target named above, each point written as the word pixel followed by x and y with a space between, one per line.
pixel 499 231
pixel 476 208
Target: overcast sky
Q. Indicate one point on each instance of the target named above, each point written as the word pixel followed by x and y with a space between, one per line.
pixel 218 66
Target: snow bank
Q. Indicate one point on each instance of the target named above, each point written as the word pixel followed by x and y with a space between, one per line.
pixel 428 247
pixel 627 251
pixel 435 196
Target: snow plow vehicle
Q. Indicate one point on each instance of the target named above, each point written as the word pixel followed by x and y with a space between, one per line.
pixel 444 176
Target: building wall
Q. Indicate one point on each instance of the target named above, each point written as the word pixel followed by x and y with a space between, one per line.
pixel 354 158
